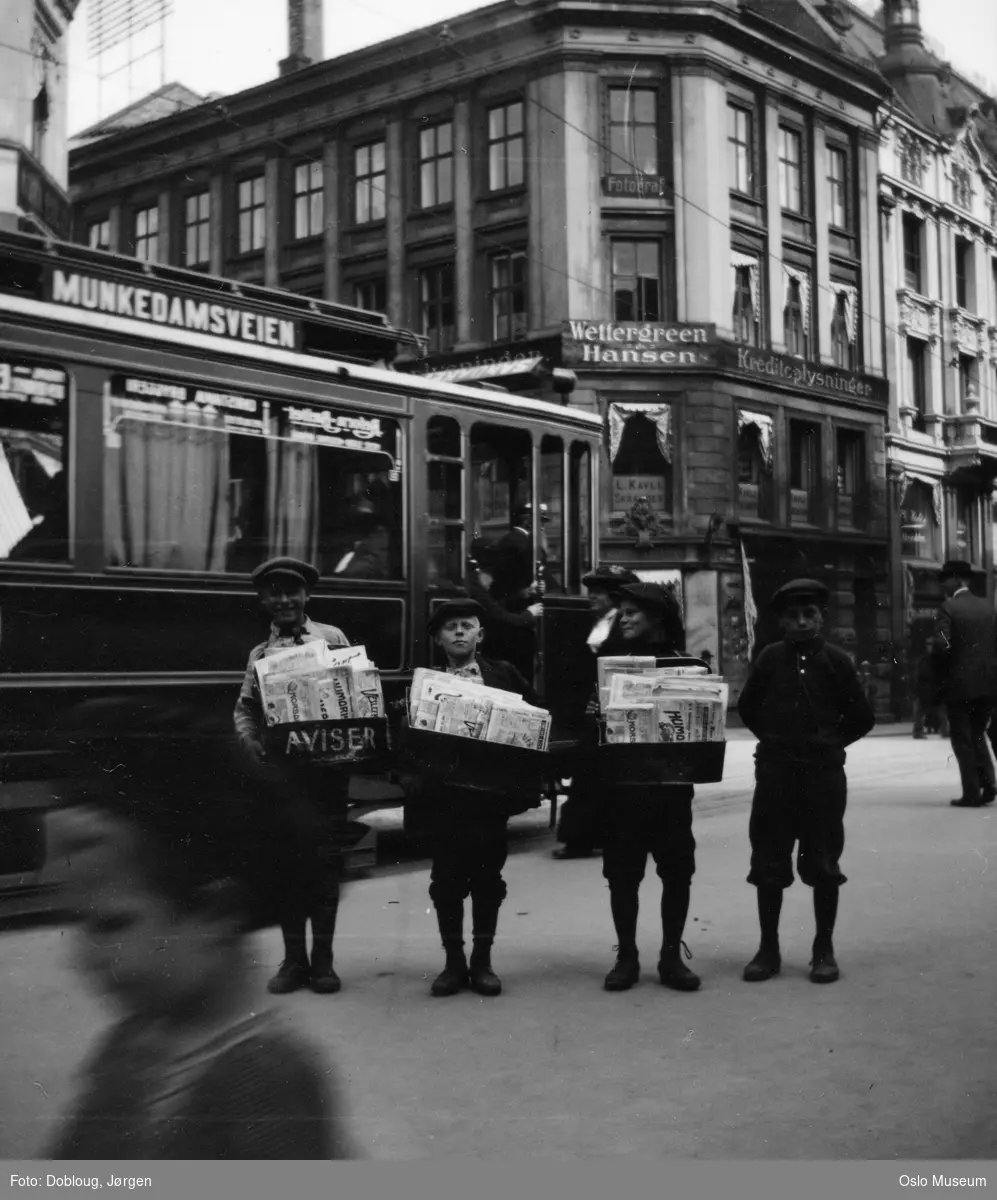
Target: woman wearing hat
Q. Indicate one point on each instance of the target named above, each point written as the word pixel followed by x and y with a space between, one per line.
pixel 313 850
pixel 468 829
pixel 577 827
pixel 653 819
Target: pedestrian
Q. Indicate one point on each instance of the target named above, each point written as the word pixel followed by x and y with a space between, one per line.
pixel 656 819
pixel 311 849
pixel 468 827
pixel 966 658
pixel 510 614
pixel 805 704
pixel 165 833
pixel 929 717
pixel 577 826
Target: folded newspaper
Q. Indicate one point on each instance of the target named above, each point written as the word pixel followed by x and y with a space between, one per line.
pixel 450 704
pixel 314 682
pixel 661 704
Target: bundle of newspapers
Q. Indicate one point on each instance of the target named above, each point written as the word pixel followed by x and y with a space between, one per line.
pixel 450 704
pixel 314 682
pixel 642 702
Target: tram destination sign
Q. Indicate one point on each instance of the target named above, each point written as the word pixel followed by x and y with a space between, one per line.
pixel 640 345
pixel 161 304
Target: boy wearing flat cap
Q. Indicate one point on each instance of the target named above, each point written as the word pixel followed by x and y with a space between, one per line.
pixel 804 703
pixel 655 819
pixel 468 828
pixel 313 849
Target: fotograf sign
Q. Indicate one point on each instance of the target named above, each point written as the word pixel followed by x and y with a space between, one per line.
pixel 641 345
pixel 818 378
pixel 642 186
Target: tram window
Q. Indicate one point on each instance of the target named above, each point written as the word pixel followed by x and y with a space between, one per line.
pixel 580 544
pixel 34 504
pixel 501 496
pixel 445 488
pixel 203 482
pixel 552 512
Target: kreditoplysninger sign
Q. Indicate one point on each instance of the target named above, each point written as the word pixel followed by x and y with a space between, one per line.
pixel 798 373
pixel 637 344
pixel 330 743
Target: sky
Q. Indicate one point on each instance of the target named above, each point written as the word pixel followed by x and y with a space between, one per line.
pixel 228 45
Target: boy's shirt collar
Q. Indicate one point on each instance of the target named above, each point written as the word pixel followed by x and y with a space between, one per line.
pixel 470 670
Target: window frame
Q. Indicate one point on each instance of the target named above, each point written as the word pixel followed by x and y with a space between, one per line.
pixel 371 282
pixel 505 140
pixel 738 107
pixel 437 302
pixel 147 239
pixel 859 437
pixel 836 151
pixel 199 224
pixel 636 242
pixel 917 375
pixel 459 460
pixel 512 256
pixel 433 125
pixel 799 132
pixel 811 429
pixel 311 196
pixel 758 312
pixel 963 267
pixel 367 179
pixel 101 224
pixel 766 507
pixel 909 223
pixel 632 169
pixel 669 474
pixel 254 207
pixel 806 319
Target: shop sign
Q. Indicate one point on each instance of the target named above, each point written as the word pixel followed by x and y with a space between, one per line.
pixel 30 383
pixel 641 186
pixel 817 378
pixel 628 489
pixel 799 506
pixel 637 345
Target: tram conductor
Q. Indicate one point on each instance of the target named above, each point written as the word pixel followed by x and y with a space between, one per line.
pixel 315 816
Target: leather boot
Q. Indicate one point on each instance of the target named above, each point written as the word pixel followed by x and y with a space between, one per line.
pixel 294 972
pixel 453 978
pixel 672 971
pixel 484 981
pixel 626 970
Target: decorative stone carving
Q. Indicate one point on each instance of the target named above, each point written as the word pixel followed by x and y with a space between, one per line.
pixel 911 151
pixel 918 317
pixel 641 523
pixel 968 333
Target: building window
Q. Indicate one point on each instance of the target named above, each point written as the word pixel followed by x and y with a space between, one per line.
pixel 796 318
pixel 641 471
pixel 252 195
pixel 919 528
pixel 747 303
pixel 436 304
pixel 633 131
pixel 790 169
pixel 962 187
pixel 963 272
pixel 505 146
pixel 804 473
pixel 912 228
pixel 369 180
pixel 436 165
pixel 837 186
pixel 99 235
pixel 754 474
pixel 636 268
pixel 851 478
pixel 842 344
pixel 741 147
pixel 916 371
pixel 508 296
pixel 147 234
pixel 197 230
pixel 371 294
pixel 308 200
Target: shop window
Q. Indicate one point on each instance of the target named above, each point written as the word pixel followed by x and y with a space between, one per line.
pixel 918 382
pixel 913 230
pixel 741 149
pixel 99 234
pixel 308 200
pixel 791 169
pixel 34 499
pixel 755 492
pixel 507 296
pixel 502 490
pixel 920 531
pixel 192 493
pixel 436 165
pixel 641 470
pixel 197 229
pixel 505 147
pixel 966 533
pixel 369 183
pixel 636 282
pixel 851 478
pixel 804 473
pixel 445 548
pixel 633 131
pixel 146 234
pixel 580 542
pixel 436 306
pixel 251 198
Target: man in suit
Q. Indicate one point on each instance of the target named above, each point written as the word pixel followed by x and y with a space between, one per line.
pixel 967 661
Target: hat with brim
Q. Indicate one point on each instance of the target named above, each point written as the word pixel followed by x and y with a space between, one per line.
pixel 956 568
pixel 451 611
pixel 609 578
pixel 291 568
pixel 651 596
pixel 800 591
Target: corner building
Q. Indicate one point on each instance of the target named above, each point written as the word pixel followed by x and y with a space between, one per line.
pixel 675 201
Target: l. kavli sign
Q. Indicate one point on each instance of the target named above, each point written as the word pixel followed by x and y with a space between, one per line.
pixel 640 344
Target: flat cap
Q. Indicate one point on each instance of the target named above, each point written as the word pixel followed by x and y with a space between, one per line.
pixel 453 609
pixel 956 568
pixel 652 596
pixel 610 577
pixel 799 591
pixel 303 572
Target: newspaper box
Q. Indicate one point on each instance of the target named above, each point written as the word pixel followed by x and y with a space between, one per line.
pixel 478 765
pixel 357 744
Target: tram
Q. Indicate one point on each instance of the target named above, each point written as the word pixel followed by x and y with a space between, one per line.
pixel 162 432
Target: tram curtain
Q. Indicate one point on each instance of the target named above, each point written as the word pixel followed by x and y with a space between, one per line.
pixel 293 508
pixel 167 502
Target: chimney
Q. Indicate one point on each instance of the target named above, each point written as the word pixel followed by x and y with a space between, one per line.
pixel 304 35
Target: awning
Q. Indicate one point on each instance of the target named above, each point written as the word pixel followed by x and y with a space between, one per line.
pixel 498 370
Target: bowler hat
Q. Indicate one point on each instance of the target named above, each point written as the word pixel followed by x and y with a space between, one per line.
pixel 956 568
pixel 451 610
pixel 800 591
pixel 609 577
pixel 295 568
pixel 651 596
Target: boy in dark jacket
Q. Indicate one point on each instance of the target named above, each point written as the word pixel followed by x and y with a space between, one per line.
pixel 469 829
pixel 804 703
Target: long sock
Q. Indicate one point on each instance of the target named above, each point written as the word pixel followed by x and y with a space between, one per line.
pixel 323 931
pixel 825 915
pixel 293 931
pixel 625 908
pixel 769 911
pixel 674 912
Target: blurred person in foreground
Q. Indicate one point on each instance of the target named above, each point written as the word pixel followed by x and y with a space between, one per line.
pixel 649 818
pixel 966 658
pixel 577 827
pixel 166 832
pixel 805 704
pixel 929 715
